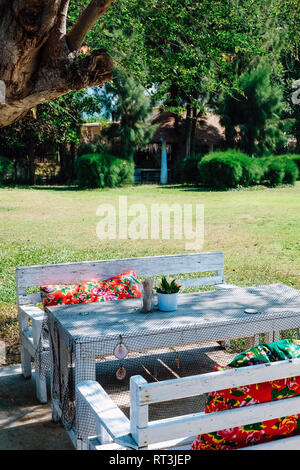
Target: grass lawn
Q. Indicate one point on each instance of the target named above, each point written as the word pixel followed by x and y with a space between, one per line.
pixel 257 229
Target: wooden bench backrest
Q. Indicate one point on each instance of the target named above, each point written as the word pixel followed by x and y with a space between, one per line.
pixel 143 394
pixel 68 273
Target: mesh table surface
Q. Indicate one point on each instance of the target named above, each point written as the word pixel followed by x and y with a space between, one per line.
pixel 107 320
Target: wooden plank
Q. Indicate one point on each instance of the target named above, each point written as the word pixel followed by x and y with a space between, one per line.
pixel 174 444
pixel 29 299
pixel 139 415
pixel 200 423
pixel 175 389
pixel 200 281
pixel 27 342
pixel 104 409
pixel 145 266
pixel 33 312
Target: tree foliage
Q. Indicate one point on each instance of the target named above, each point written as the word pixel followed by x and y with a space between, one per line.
pixel 252 117
pixel 126 101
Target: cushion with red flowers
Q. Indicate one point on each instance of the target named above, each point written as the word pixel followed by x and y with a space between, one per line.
pixel 60 294
pixel 247 435
pixel 123 286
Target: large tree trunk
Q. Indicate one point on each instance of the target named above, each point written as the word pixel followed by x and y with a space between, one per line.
pixel 188 127
pixel 38 60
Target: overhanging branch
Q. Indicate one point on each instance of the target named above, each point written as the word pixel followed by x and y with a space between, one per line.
pixel 86 21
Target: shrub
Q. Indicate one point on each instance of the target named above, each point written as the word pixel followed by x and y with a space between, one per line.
pixel 274 170
pixel 279 169
pixel 5 168
pixel 229 169
pixel 86 148
pixel 291 171
pixel 296 159
pixel 100 170
pixel 190 172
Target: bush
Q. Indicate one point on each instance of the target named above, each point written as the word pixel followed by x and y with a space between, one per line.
pixel 5 168
pixel 291 171
pixel 296 159
pixel 229 169
pixel 190 172
pixel 279 169
pixel 274 170
pixel 86 148
pixel 101 170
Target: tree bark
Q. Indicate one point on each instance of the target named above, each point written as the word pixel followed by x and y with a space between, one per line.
pixel 188 124
pixel 39 61
pixel 193 131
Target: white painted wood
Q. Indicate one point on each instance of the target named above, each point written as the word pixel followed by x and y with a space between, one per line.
pixel 32 276
pixel 104 409
pixel 203 423
pixel 174 444
pixel 200 281
pixel 85 369
pixel 146 266
pixel 139 414
pixel 55 409
pixel 177 431
pixel 225 286
pixel 30 299
pixel 25 362
pixel 41 388
pixel 175 389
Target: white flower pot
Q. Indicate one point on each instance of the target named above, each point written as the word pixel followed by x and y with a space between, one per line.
pixel 167 302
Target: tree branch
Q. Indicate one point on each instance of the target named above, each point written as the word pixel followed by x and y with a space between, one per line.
pixel 58 32
pixel 86 21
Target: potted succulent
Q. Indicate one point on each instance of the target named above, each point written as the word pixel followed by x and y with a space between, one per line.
pixel 167 295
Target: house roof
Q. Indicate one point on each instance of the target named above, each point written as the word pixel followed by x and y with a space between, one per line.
pixel 208 129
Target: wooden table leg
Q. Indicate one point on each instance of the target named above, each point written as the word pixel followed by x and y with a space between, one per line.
pixel 85 369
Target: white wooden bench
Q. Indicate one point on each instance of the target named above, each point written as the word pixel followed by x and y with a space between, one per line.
pixel 116 432
pixel 33 276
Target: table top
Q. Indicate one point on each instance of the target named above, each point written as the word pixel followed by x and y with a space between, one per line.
pixel 98 320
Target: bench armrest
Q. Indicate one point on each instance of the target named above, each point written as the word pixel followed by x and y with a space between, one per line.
pixel 107 414
pixel 37 316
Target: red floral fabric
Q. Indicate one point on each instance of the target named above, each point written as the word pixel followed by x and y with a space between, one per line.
pixel 124 286
pixel 243 436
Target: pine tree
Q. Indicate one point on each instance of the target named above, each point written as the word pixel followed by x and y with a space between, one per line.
pixel 126 101
pixel 252 118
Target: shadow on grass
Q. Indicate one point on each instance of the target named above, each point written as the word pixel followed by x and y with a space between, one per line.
pixel 44 187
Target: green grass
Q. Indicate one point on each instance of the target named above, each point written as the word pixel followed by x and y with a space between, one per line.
pixel 257 229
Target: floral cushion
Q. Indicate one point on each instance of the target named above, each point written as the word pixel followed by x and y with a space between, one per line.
pixel 123 286
pixel 60 294
pixel 243 436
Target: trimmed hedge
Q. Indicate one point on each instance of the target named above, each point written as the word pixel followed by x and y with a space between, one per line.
pixel 279 169
pixel 5 168
pixel 291 171
pixel 232 168
pixel 296 159
pixel 228 170
pixel 97 170
pixel 274 171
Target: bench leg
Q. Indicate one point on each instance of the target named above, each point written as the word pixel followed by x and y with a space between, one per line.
pixel 252 341
pixel 26 363
pixel 271 336
pixel 41 387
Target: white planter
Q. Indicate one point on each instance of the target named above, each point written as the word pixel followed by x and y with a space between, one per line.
pixel 167 302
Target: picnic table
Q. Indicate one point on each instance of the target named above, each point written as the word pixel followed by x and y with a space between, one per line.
pixel 81 333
